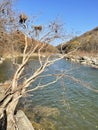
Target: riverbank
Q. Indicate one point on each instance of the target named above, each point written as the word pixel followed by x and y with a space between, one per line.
pixel 16 55
pixel 68 99
pixel 89 59
pixel 21 55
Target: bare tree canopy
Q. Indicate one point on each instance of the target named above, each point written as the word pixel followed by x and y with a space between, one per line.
pixel 16 89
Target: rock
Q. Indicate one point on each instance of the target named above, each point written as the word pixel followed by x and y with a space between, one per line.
pixel 83 63
pixel 94 60
pixel 48 123
pixel 23 122
pixel 2 91
pixel 38 126
pixel 45 111
pixel 81 58
pixel 96 63
pixel 45 116
pixel 85 60
pixel 73 60
pixel 1 61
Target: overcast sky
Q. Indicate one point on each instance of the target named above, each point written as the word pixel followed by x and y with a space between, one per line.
pixel 78 15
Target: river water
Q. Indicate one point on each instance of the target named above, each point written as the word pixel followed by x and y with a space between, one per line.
pixel 65 105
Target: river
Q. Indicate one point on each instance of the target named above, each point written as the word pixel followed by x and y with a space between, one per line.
pixel 65 105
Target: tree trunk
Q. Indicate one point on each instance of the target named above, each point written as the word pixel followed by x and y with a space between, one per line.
pixel 10 111
pixel 7 112
pixel 3 122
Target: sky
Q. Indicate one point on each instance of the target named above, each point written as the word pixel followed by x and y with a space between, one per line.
pixel 78 16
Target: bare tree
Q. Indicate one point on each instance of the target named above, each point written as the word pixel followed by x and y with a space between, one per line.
pixel 16 89
pixel 8 23
pixel 20 83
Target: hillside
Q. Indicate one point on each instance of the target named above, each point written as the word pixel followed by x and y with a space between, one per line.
pixel 19 39
pixel 14 43
pixel 88 42
pixel 83 49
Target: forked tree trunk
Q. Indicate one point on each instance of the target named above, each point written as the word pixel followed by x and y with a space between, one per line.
pixel 7 112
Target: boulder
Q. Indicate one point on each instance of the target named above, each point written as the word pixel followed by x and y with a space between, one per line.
pixel 22 121
pixel 2 91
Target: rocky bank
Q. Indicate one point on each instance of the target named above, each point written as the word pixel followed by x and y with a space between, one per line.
pixel 85 60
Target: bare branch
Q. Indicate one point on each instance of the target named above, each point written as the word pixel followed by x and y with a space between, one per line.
pixel 45 85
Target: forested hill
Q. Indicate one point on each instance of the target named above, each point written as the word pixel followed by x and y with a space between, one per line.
pixel 14 43
pixel 88 42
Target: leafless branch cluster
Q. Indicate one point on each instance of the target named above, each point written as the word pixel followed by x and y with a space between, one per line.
pixel 21 81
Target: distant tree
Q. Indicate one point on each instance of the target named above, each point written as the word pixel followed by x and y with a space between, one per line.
pixel 8 23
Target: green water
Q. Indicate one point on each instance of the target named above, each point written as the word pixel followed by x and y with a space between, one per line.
pixel 65 105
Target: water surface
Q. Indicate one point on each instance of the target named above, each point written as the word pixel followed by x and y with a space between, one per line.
pixel 65 105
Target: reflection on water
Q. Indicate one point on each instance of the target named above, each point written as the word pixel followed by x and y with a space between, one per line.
pixel 65 105
pixel 6 70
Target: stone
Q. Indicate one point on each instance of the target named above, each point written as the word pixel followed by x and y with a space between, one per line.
pixel 83 63
pixel 45 111
pixel 1 61
pixel 22 121
pixel 86 58
pixel 2 91
pixel 94 60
